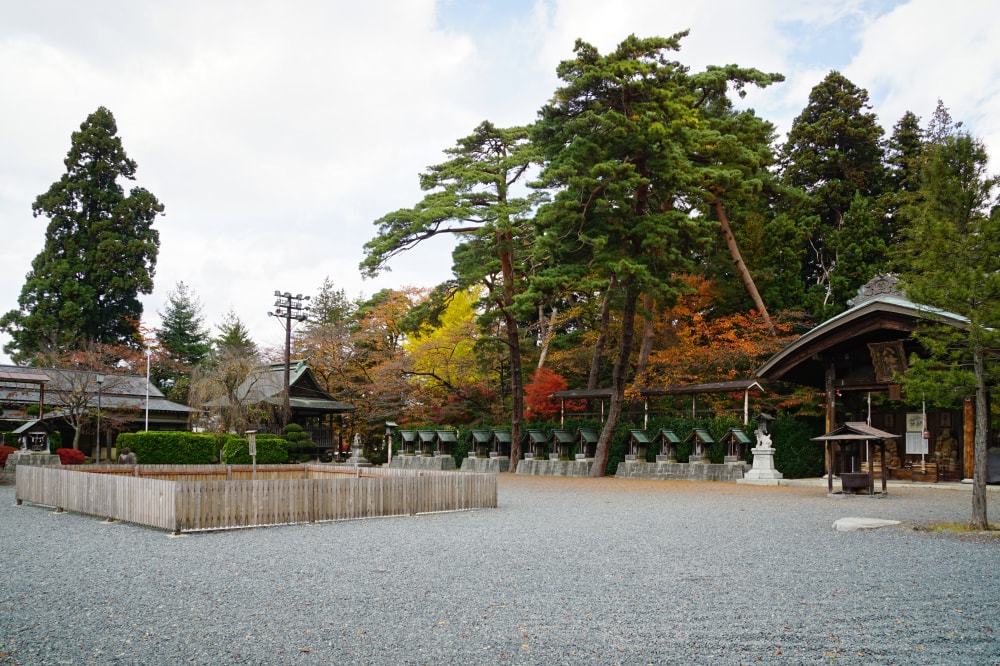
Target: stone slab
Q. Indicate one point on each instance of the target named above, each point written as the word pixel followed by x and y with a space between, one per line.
pixel 680 471
pixel 854 524
pixel 486 465
pixel 433 463
pixel 554 467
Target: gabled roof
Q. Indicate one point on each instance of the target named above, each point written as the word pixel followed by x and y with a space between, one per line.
pixel 268 386
pixel 854 430
pixel 879 308
pixel 20 384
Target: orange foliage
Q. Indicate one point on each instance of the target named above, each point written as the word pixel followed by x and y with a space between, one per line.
pixel 538 402
pixel 699 348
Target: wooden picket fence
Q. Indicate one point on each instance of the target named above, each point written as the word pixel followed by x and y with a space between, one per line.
pixel 215 497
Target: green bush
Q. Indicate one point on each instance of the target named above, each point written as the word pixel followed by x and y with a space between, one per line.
pixel 300 446
pixel 271 450
pixel 795 455
pixel 164 447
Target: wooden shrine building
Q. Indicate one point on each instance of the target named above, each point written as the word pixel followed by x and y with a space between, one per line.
pixel 854 358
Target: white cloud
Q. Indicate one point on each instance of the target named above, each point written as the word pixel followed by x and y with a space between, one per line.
pixel 276 133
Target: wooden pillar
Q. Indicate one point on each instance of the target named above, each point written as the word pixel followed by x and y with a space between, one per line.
pixel 969 437
pixel 831 418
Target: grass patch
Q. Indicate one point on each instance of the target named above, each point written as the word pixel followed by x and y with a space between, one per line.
pixel 962 528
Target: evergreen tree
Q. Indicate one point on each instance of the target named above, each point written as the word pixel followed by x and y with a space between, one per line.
pixel 902 161
pixel 632 149
pixel 833 152
pixel 471 194
pixel 951 260
pixel 99 255
pixel 183 343
pixel 182 333
pixel 234 336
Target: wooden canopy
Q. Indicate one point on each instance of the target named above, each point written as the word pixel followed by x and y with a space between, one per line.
pixel 855 431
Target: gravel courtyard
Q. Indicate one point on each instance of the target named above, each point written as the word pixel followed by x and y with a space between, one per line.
pixel 565 571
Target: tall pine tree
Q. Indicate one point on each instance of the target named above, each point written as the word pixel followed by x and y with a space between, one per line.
pixel 99 255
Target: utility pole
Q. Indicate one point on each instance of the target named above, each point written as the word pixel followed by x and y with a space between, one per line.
pixel 289 308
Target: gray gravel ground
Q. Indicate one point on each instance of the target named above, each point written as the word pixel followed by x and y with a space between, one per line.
pixel 565 571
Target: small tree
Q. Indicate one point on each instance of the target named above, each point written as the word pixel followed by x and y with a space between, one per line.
pixel 951 260
pixel 183 342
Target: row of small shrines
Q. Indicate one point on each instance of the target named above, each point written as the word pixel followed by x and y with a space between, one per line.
pixel 580 444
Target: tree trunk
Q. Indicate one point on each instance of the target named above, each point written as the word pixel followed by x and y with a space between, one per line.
pixel 618 380
pixel 598 353
pixel 741 268
pixel 514 344
pixel 980 520
pixel 548 331
pixel 648 334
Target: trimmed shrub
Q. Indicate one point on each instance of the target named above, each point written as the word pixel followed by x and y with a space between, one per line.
pixel 164 447
pixel 4 452
pixel 70 456
pixel 271 450
pixel 300 445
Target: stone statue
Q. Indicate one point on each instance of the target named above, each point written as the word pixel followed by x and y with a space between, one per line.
pixel 126 457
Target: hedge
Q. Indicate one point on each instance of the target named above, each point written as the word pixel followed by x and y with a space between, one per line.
pixel 165 447
pixel 271 450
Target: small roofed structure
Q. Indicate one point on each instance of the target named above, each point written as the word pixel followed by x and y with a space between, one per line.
pixel 736 440
pixel 700 439
pixel 444 442
pixel 426 440
pixel 479 443
pixel 638 442
pixel 533 443
pixel 855 431
pixel 33 436
pixel 500 441
pixel 561 444
pixel 667 440
pixel 409 442
pixel 586 443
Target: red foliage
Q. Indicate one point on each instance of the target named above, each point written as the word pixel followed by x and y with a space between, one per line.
pixel 70 456
pixel 4 452
pixel 538 402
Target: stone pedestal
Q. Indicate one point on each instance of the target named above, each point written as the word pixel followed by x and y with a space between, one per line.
pixel 674 471
pixel 494 465
pixel 763 471
pixel 30 458
pixel 434 463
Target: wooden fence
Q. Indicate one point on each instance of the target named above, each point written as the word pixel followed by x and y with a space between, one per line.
pixel 213 497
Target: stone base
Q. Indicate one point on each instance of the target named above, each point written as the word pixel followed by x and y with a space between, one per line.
pixel 680 471
pixel 486 465
pixel 433 463
pixel 763 466
pixel 30 458
pixel 554 467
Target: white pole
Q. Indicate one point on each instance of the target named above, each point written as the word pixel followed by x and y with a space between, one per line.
pixel 147 388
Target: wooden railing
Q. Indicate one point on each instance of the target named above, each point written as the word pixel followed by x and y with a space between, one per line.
pixel 211 497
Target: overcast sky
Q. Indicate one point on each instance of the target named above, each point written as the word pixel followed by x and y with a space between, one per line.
pixel 276 133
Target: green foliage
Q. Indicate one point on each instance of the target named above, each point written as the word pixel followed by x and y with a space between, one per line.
pixel 99 255
pixel 183 343
pixel 162 447
pixel 795 455
pixel 234 337
pixel 271 450
pixel 832 155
